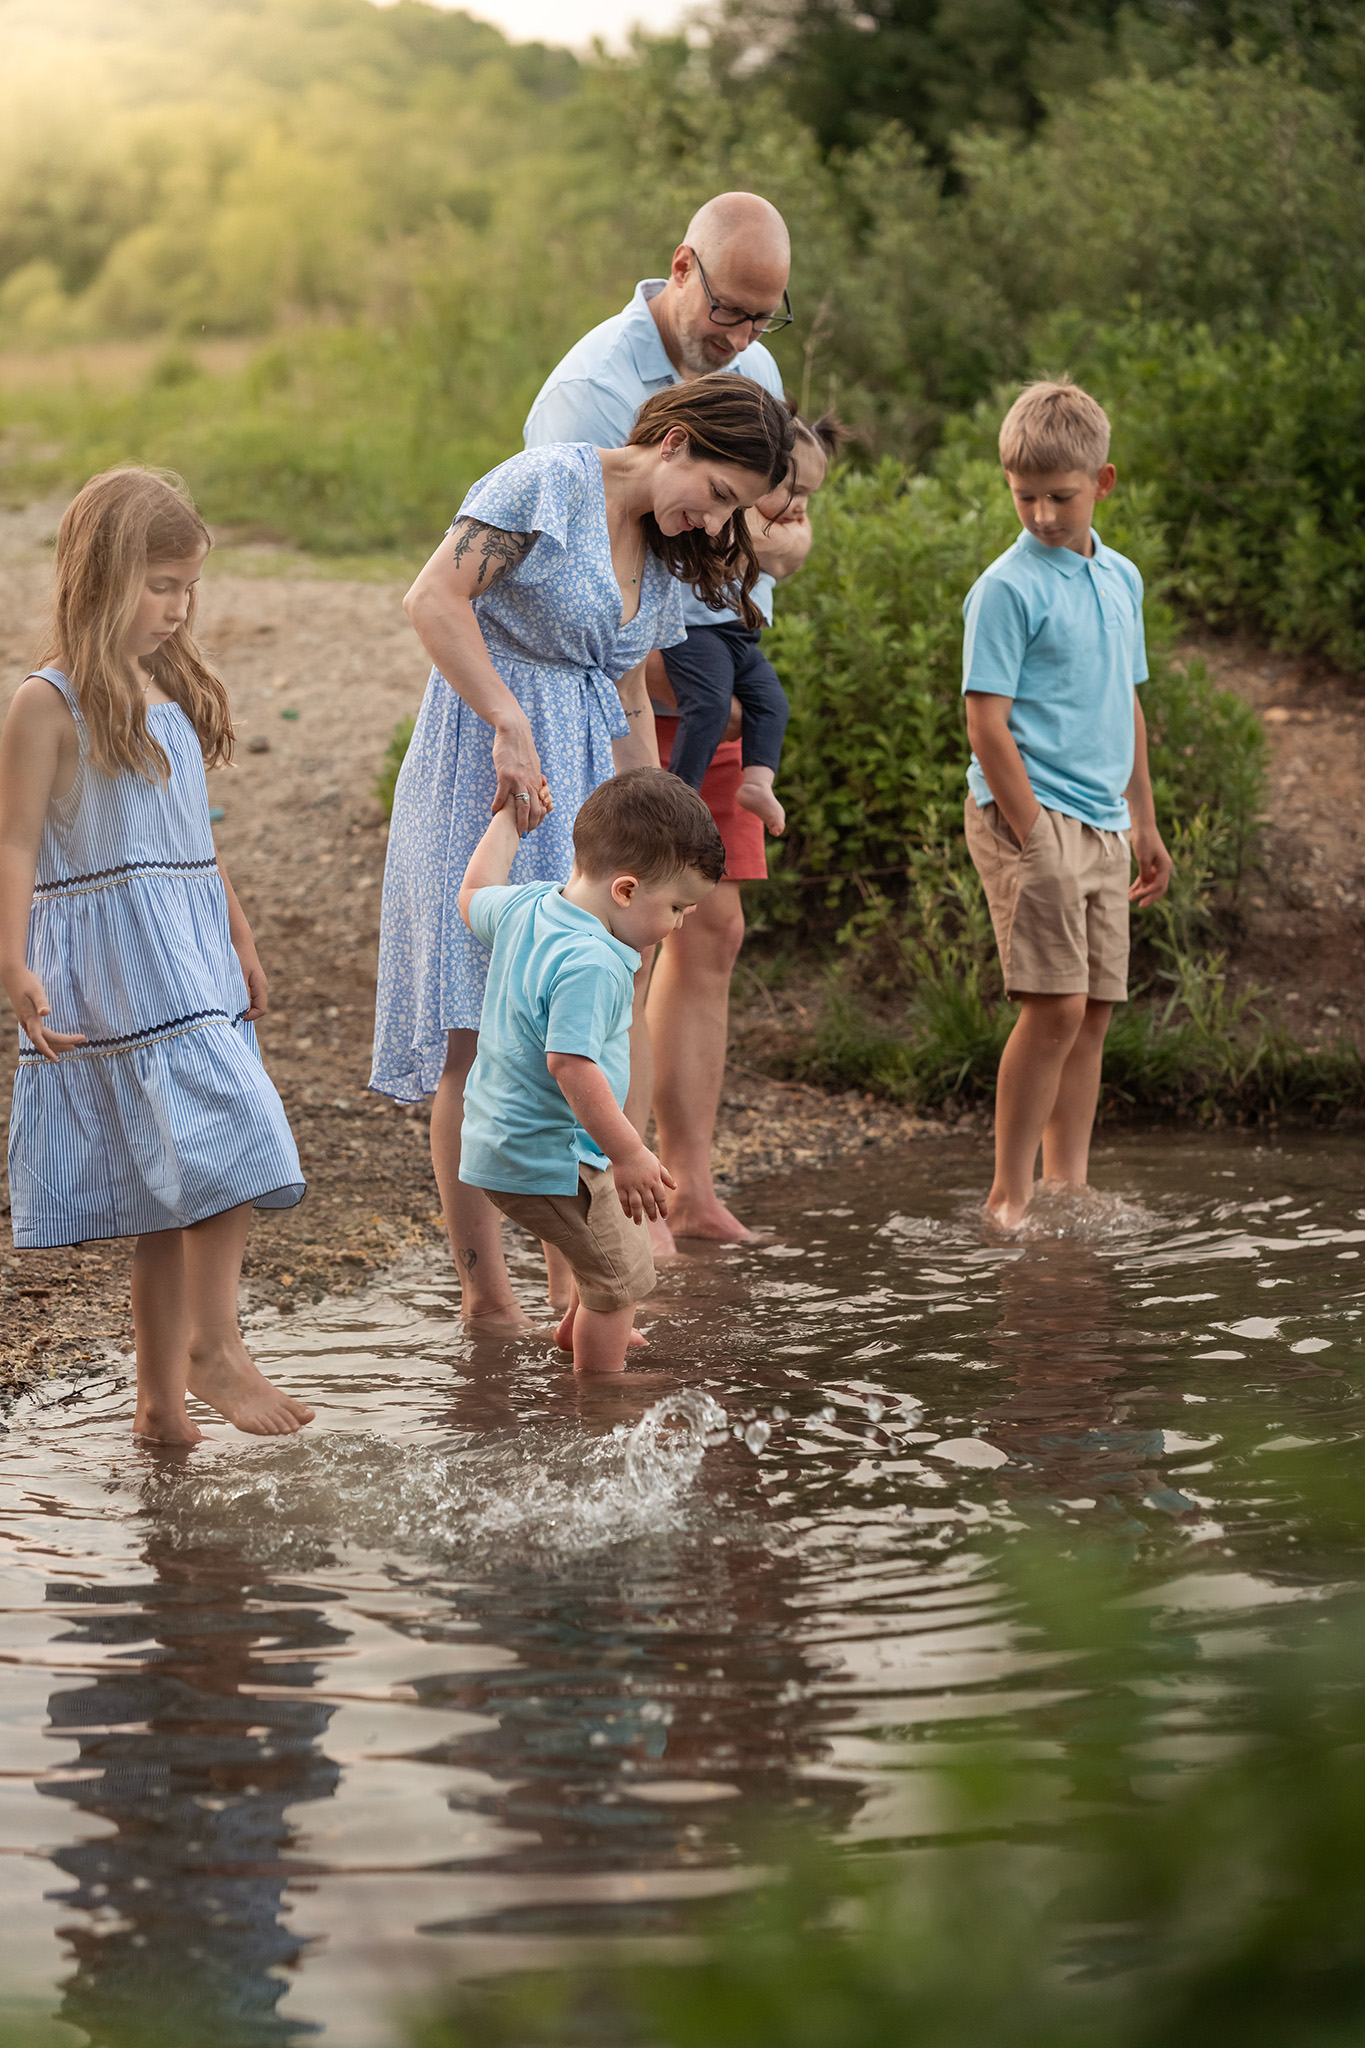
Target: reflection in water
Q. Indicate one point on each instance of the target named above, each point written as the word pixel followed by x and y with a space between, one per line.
pixel 195 1765
pixel 1068 1427
pixel 490 1659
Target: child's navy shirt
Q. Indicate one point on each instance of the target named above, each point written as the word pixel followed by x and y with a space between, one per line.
pixel 1061 634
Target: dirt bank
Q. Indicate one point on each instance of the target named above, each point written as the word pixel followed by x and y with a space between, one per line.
pixel 320 671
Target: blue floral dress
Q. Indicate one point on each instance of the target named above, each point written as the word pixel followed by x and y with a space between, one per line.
pixel 553 631
pixel 165 1116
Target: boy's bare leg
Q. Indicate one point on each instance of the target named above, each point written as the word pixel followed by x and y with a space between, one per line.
pixel 475 1227
pixel 161 1329
pixel 689 1021
pixel 221 1369
pixel 1031 1069
pixel 599 1338
pixel 1066 1137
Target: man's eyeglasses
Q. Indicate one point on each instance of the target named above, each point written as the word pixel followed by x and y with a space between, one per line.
pixel 731 316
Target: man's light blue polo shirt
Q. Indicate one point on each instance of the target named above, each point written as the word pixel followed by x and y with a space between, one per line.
pixel 1061 634
pixel 558 982
pixel 596 391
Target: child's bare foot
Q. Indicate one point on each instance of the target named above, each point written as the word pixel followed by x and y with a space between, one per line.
pixel 636 1341
pixel 156 1425
pixel 229 1380
pixel 1005 1215
pixel 707 1217
pixel 756 796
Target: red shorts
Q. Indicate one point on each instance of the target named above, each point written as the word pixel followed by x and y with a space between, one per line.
pixel 745 858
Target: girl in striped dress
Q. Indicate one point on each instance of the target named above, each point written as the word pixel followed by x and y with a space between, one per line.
pixel 141 1108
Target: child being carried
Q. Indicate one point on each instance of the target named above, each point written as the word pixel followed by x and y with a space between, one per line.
pixel 723 664
pixel 545 1134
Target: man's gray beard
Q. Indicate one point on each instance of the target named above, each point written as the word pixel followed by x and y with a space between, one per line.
pixel 696 361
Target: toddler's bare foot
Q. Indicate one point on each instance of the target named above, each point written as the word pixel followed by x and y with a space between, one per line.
pixel 1005 1215
pixel 707 1216
pixel 165 1425
pixel 564 1334
pixel 230 1381
pixel 758 798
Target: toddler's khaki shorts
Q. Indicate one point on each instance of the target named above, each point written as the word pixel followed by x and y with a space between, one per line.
pixel 610 1256
pixel 1058 904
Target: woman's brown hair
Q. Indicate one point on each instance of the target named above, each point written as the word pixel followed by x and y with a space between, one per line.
pixel 112 529
pixel 735 421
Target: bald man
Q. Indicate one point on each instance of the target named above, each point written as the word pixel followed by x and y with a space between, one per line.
pixel 727 284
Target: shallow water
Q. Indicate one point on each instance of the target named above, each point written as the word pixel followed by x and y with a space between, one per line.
pixel 488 1662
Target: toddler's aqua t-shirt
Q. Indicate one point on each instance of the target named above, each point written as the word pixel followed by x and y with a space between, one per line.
pixel 1061 634
pixel 558 982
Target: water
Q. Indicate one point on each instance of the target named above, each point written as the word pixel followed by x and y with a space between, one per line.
pixel 489 1662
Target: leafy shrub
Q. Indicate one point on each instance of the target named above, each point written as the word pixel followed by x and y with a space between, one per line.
pixel 395 753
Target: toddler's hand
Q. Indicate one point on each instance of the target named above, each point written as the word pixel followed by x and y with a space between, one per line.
pixel 526 815
pixel 640 1182
pixel 31 1006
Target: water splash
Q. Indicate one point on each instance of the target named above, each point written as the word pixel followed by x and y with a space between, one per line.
pixel 537 1490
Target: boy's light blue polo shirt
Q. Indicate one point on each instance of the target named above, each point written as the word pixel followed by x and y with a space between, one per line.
pixel 558 982
pixel 1061 634
pixel 596 391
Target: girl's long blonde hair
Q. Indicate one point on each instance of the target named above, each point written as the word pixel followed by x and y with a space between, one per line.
pixel 112 529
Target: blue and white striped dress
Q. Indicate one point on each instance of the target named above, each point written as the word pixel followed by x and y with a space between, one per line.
pixel 165 1116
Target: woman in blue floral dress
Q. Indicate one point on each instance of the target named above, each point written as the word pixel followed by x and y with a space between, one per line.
pixel 563 569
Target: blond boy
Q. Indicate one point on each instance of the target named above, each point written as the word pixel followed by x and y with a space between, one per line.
pixel 1059 783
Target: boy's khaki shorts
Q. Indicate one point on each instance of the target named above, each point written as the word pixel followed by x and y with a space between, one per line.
pixel 1058 904
pixel 611 1257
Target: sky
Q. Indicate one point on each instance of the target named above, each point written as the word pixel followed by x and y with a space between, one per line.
pixel 574 22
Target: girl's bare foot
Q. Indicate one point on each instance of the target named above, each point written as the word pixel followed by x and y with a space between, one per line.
pixel 756 796
pixel 707 1216
pixel 229 1380
pixel 165 1425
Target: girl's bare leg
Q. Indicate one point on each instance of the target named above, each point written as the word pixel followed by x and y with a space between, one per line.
pixel 161 1329
pixel 486 1297
pixel 222 1371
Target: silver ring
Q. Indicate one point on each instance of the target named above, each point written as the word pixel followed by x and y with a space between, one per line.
pixel 523 796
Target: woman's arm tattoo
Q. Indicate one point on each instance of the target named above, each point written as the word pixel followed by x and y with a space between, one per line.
pixel 497 551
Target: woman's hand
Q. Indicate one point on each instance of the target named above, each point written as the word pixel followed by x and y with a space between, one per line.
pixel 31 1006
pixel 519 774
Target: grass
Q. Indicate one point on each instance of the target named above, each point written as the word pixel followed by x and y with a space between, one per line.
pixel 1186 1048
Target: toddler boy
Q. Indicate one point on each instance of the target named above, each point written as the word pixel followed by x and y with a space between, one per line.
pixel 1053 655
pixel 545 1135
